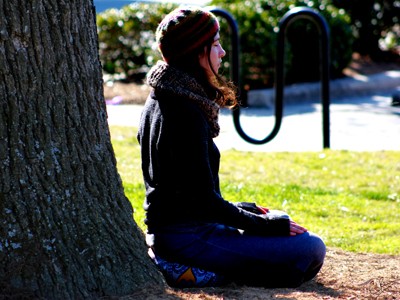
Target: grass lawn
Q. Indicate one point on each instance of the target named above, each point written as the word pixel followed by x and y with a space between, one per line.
pixel 351 199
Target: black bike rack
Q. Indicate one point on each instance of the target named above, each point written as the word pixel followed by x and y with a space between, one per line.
pixel 291 16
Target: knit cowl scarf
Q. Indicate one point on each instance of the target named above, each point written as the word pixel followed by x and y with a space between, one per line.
pixel 165 78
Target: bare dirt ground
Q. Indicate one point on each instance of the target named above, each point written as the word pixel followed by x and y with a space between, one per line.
pixel 345 275
pixel 127 93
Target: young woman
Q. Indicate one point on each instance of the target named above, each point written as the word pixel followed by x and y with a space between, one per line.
pixel 188 220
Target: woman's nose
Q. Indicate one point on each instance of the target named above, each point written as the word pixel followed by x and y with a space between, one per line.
pixel 222 52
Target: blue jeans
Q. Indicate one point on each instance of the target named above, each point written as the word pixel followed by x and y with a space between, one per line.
pixel 243 258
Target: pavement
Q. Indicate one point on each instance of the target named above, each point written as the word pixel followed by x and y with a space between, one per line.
pixel 360 119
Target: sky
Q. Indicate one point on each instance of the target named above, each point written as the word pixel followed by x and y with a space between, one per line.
pixel 102 5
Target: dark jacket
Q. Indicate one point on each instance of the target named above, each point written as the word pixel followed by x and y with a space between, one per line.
pixel 180 161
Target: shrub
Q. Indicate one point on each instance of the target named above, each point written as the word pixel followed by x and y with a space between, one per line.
pixel 127 38
pixel 127 43
pixel 258 24
pixel 375 24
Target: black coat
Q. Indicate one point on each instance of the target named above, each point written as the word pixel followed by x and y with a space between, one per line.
pixel 180 164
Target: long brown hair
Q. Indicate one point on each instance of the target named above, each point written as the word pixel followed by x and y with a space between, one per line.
pixel 216 87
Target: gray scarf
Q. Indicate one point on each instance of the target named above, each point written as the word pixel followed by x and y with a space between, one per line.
pixel 169 79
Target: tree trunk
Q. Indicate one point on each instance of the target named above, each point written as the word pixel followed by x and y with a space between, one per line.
pixel 67 230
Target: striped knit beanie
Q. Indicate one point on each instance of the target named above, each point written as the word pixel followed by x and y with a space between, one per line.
pixel 184 30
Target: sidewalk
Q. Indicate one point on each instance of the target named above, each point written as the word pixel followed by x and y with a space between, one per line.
pixel 359 123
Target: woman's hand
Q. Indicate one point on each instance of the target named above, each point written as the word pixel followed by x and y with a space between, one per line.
pixel 296 229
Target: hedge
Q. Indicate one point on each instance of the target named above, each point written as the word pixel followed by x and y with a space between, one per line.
pixel 127 45
pixel 258 22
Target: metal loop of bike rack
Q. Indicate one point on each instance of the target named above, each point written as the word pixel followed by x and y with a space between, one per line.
pixel 291 16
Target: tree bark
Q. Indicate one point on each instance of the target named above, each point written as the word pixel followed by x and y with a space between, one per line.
pixel 67 229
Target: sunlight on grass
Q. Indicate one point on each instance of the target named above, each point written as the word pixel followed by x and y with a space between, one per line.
pixel 351 199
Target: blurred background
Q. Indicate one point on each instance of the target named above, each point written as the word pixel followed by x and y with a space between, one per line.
pixel 364 39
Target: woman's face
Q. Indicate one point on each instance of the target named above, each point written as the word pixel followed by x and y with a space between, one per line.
pixel 216 54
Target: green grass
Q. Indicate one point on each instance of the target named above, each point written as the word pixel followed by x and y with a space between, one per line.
pixel 351 199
